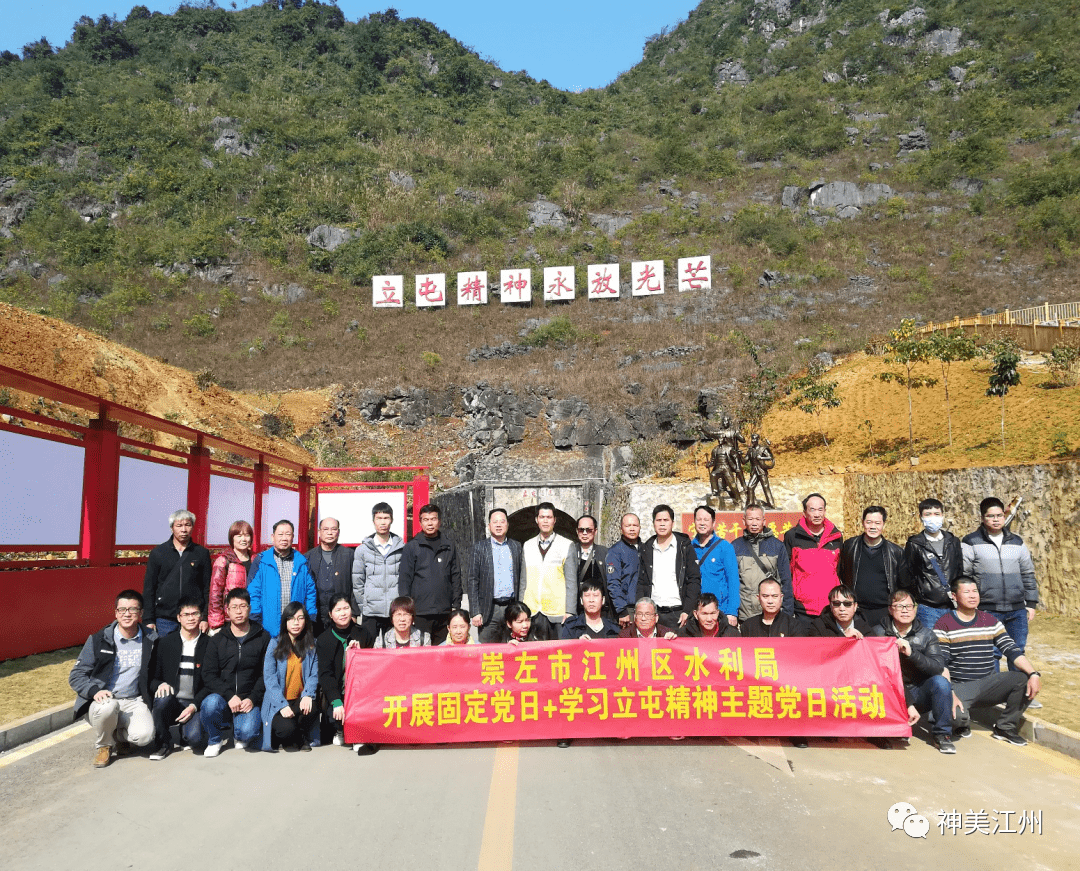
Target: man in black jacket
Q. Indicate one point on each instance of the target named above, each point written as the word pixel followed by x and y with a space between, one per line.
pixel 177 681
pixel 233 675
pixel 429 574
pixel 496 576
pixel 175 569
pixel 330 565
pixel 934 559
pixel 921 664
pixel 872 567
pixel 669 572
pixel 111 680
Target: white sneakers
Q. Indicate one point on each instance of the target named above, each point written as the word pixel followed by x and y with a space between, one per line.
pixel 240 745
pixel 212 750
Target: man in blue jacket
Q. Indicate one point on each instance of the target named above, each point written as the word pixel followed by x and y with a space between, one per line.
pixel 717 563
pixel 623 566
pixel 282 576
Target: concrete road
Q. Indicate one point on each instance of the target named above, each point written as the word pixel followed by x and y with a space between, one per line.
pixel 694 804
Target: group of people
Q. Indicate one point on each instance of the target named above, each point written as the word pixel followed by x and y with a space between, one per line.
pixel 257 642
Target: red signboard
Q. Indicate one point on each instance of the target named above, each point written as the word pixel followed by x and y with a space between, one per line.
pixel 623 688
pixel 729 524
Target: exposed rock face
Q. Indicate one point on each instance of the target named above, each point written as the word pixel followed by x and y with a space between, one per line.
pixel 402 180
pixel 231 142
pixel 944 42
pixel 288 293
pixel 543 213
pixel 731 72
pixel 610 224
pixel 916 140
pixel 330 238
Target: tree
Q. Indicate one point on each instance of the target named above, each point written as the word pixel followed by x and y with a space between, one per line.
pixel 1004 357
pixel 758 387
pixel 904 348
pixel 947 350
pixel 812 395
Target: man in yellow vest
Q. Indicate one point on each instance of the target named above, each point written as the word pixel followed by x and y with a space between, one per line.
pixel 550 592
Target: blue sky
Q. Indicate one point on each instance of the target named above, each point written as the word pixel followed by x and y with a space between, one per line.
pixel 574 45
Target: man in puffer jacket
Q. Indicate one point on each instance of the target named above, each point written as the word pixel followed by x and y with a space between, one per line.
pixel 375 570
pixel 1002 567
pixel 760 555
pixel 813 546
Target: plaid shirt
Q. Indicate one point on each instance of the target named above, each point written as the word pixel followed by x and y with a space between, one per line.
pixel 285 572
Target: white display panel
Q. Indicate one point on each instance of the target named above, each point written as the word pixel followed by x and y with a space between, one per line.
pixel 230 499
pixel 147 494
pixel 279 504
pixel 353 512
pixel 41 481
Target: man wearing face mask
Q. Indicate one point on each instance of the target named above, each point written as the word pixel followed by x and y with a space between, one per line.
pixel 934 560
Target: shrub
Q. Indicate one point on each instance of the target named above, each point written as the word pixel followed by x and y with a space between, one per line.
pixel 654 456
pixel 1063 363
pixel 757 225
pixel 199 326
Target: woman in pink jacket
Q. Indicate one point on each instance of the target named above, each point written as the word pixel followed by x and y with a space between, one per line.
pixel 230 570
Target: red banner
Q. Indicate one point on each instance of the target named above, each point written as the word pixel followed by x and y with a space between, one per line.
pixel 626 688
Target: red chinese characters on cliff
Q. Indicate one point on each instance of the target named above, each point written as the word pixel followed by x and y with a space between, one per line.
pixel 431 290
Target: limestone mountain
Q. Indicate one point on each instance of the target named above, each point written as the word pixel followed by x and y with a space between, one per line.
pixel 217 189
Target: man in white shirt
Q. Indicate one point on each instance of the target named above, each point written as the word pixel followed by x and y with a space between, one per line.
pixel 669 571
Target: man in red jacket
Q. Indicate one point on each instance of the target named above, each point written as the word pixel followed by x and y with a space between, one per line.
pixel 813 545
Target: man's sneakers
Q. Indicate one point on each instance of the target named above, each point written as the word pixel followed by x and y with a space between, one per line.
pixel 212 750
pixel 102 757
pixel 944 744
pixel 339 739
pixel 1014 738
pixel 160 753
pixel 240 745
pixel 962 732
pixel 366 749
pixel 1034 704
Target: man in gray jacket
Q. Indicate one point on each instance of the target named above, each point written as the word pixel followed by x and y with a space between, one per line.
pixel 1002 567
pixel 375 571
pixel 496 577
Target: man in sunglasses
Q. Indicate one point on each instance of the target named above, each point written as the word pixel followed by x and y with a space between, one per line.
pixel 839 619
pixel 586 559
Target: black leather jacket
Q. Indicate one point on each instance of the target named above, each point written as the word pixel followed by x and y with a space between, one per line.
pixel 895 568
pixel 926 658
pixel 924 581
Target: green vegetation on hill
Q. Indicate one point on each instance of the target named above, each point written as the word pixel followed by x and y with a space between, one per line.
pixel 120 178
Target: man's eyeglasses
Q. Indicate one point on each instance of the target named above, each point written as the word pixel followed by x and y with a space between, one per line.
pixel 584 529
pixel 842 604
pixel 648 615
pixel 134 610
pixel 908 607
